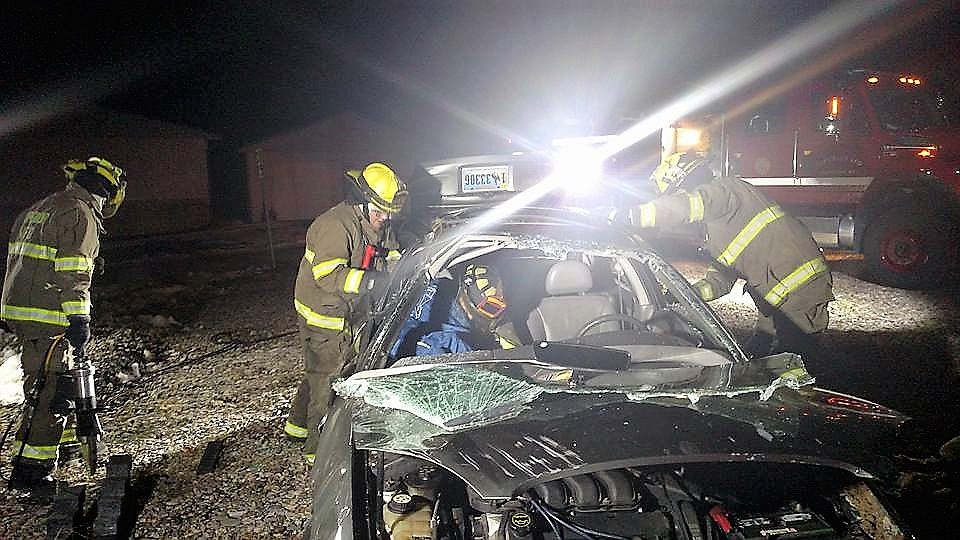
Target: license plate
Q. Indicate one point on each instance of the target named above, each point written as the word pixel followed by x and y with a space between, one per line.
pixel 486 178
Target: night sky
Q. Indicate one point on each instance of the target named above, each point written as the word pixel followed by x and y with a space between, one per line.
pixel 525 69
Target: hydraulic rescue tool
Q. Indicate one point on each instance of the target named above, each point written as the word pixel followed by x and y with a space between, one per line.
pixel 84 405
pixel 75 393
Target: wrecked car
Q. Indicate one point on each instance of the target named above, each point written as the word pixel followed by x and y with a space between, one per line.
pixel 627 411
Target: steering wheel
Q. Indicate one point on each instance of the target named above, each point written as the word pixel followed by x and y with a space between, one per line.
pixel 610 317
pixel 669 315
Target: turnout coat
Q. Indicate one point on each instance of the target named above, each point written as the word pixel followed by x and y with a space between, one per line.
pixel 50 262
pixel 751 237
pixel 329 279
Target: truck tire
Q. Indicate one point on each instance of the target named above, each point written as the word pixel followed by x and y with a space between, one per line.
pixel 910 250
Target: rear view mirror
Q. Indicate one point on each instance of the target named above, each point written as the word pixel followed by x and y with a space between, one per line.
pixel 581 356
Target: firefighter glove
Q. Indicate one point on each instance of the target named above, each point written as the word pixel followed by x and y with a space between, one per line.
pixel 614 216
pixel 369 281
pixel 78 333
pixel 373 283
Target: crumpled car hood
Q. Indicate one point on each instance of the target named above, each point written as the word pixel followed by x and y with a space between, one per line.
pixel 591 432
pixel 526 437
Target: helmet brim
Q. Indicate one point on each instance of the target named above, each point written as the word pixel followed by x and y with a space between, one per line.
pixel 390 207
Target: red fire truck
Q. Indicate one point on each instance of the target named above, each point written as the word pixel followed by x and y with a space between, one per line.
pixel 867 160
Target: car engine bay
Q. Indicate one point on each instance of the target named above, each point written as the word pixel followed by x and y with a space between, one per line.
pixel 412 499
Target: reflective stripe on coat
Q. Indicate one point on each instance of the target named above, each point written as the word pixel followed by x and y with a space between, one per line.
pixel 329 278
pixel 50 262
pixel 751 237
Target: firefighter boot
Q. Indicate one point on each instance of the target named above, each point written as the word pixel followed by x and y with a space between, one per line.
pixel 294 429
pixel 34 477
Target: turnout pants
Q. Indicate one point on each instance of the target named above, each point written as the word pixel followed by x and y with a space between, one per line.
pixel 778 333
pixel 46 429
pixel 323 353
pixel 794 326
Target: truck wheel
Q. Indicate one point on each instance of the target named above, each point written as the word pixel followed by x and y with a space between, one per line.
pixel 910 251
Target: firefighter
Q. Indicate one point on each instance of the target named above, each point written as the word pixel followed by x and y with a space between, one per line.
pixel 473 319
pixel 748 237
pixel 348 250
pixel 46 301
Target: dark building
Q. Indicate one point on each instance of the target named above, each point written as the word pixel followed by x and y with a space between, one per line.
pixel 166 167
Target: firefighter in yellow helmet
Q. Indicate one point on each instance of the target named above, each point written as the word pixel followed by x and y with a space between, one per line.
pixel 672 172
pixel 348 250
pixel 749 237
pixel 46 301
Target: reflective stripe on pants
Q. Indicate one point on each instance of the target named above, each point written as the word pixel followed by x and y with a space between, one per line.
pixel 46 429
pixel 295 431
pixel 324 354
pixel 792 282
pixel 30 451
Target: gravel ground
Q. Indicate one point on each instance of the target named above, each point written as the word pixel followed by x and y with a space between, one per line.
pixel 217 360
pixel 209 332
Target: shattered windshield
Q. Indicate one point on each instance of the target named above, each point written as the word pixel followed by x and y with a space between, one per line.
pixel 456 392
pixel 486 330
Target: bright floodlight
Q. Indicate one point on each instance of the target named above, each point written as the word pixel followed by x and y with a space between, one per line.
pixel 577 170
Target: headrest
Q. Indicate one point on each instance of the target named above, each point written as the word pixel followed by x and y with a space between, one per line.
pixel 568 277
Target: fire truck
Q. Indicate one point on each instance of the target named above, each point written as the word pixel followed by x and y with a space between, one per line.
pixel 867 160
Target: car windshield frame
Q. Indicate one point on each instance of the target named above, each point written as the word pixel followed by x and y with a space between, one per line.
pixel 445 248
pixel 498 385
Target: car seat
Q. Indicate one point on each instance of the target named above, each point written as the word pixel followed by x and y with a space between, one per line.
pixel 569 304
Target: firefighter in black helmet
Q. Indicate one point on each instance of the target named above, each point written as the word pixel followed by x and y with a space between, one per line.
pixel 748 237
pixel 348 250
pixel 46 301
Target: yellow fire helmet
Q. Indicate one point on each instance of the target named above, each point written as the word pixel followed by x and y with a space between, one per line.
pixel 379 185
pixel 681 171
pixel 113 184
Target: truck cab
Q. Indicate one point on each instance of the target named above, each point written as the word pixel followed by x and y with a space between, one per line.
pixel 866 159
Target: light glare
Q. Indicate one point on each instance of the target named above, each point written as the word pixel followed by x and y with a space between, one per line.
pixel 577 170
pixel 824 29
pixel 687 138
